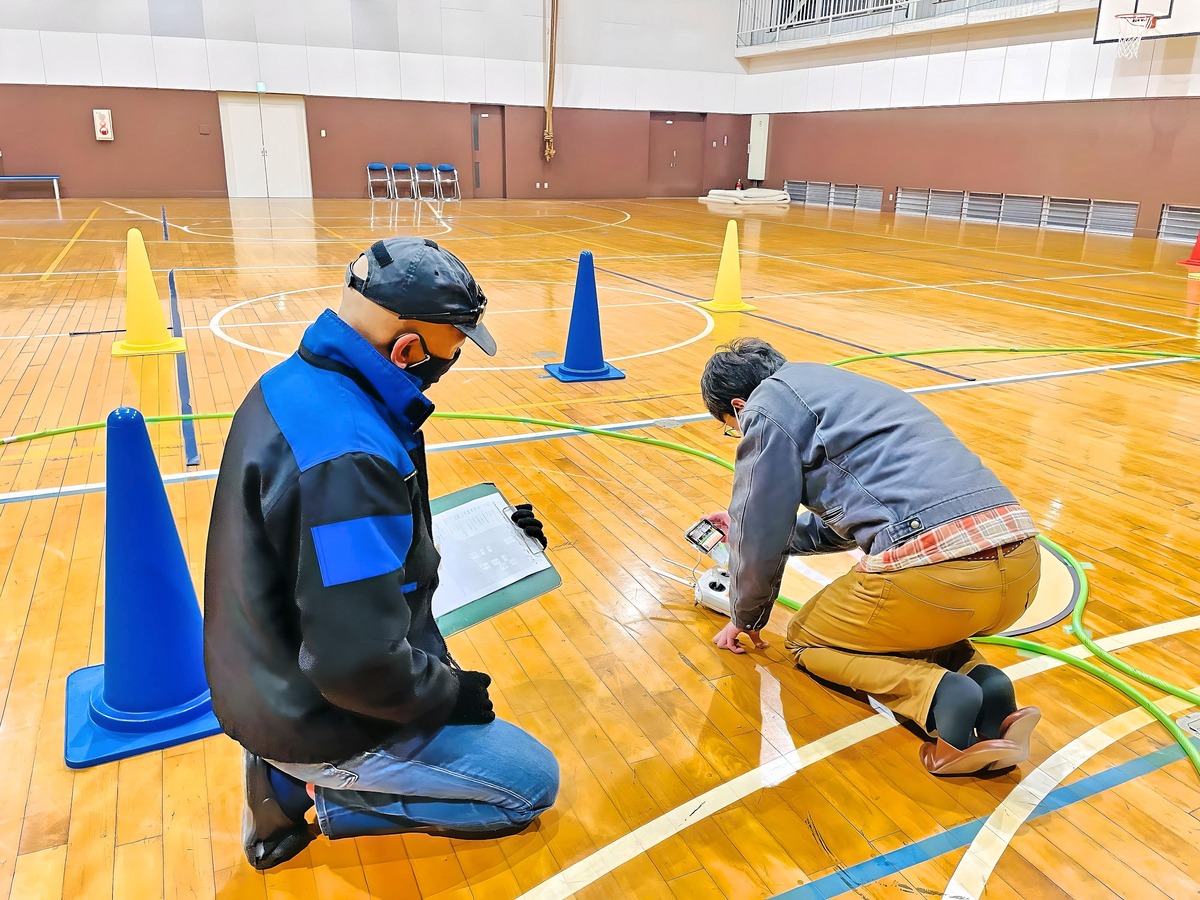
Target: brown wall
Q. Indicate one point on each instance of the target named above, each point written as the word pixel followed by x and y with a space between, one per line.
pixel 1143 150
pixel 605 153
pixel 727 162
pixel 388 131
pixel 601 153
pixel 158 151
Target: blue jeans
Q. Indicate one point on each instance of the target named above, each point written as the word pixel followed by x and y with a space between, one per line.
pixel 466 779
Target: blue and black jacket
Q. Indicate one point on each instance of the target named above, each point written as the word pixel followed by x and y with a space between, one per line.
pixel 319 637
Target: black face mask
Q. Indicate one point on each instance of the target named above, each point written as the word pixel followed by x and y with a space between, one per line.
pixel 431 368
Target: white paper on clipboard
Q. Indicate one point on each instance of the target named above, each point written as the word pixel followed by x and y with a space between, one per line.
pixel 482 552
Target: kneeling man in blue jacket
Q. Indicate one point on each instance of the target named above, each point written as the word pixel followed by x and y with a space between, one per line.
pixel 322 653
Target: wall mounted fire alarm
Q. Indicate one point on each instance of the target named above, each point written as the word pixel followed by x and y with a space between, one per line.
pixel 102 122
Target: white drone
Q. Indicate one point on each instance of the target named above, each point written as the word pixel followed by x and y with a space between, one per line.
pixel 711 586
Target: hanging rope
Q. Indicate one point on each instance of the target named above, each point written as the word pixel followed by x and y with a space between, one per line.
pixel 548 133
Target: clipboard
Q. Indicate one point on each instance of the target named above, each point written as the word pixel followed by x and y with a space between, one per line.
pixel 505 598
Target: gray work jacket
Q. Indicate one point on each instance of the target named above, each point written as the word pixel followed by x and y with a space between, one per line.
pixel 873 467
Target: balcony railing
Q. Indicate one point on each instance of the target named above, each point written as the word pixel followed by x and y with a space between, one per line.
pixel 773 21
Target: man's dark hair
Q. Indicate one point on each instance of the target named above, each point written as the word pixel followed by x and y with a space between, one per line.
pixel 735 370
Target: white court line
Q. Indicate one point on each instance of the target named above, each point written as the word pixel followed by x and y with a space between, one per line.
pixel 1117 271
pixel 640 840
pixel 1014 282
pixel 370 226
pixel 224 239
pixel 242 221
pixel 1066 312
pixel 1021 286
pixel 494 312
pixel 437 215
pixel 1043 376
pixel 445 446
pixel 268 239
pixel 773 726
pixel 895 237
pixel 904 281
pixel 978 863
pixel 519 437
pixel 197 271
pixel 798 564
pixel 134 212
pixel 217 328
pixel 497 312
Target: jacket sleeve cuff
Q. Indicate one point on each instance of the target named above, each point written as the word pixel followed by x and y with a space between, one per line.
pixel 438 715
pixel 756 621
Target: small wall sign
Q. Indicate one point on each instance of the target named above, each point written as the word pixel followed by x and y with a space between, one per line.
pixel 102 119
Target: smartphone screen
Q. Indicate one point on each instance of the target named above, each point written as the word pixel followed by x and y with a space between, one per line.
pixel 706 536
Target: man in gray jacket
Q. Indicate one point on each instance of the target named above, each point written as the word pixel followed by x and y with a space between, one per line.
pixel 950 554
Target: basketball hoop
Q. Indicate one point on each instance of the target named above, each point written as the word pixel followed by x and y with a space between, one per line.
pixel 1133 27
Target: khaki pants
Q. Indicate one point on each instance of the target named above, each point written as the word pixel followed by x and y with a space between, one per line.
pixel 894 635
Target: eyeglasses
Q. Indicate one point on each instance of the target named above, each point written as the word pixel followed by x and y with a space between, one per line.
pixel 733 431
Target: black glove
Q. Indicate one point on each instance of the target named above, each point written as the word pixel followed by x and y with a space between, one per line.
pixel 526 521
pixel 473 706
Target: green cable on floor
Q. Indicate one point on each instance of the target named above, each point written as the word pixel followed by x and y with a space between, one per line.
pixel 1077 628
pixel 1028 646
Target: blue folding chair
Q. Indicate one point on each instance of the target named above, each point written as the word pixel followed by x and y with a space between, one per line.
pixel 377 173
pixel 426 176
pixel 447 182
pixel 404 178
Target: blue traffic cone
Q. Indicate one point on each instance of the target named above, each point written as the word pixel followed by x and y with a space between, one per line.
pixel 585 356
pixel 151 691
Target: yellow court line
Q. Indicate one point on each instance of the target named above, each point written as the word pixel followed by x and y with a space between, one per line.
pixel 70 243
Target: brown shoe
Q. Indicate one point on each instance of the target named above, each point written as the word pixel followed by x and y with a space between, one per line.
pixel 1018 728
pixel 946 759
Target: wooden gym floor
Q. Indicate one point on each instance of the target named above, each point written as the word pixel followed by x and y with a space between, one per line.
pixel 687 773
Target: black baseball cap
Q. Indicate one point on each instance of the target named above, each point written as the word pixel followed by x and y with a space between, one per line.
pixel 416 279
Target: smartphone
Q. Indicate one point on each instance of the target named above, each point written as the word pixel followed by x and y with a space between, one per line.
pixel 705 536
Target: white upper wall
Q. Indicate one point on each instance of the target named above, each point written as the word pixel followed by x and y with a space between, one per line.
pixel 1019 61
pixel 624 54
pixel 617 54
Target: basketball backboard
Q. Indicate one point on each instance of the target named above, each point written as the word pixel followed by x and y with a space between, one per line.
pixel 1173 18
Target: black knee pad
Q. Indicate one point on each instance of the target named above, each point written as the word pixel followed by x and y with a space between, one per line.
pixel 992 681
pixel 957 700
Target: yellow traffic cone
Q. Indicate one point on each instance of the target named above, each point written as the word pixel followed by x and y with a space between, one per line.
pixel 145 326
pixel 728 295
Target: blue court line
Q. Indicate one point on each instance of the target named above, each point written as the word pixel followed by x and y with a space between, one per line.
pixel 166 234
pixel 864 349
pixel 74 490
pixel 185 391
pixel 845 343
pixel 658 287
pixel 893 863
